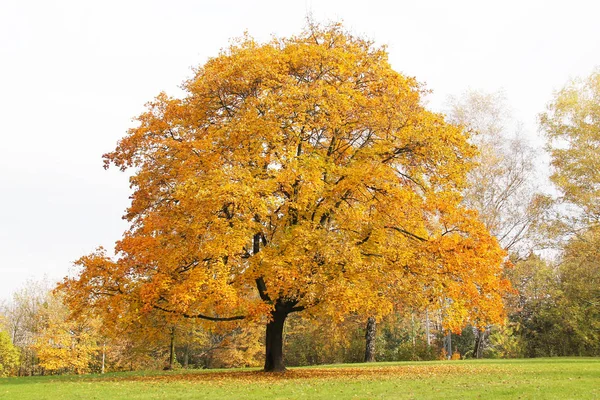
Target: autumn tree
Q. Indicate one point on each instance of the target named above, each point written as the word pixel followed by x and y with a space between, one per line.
pixel 22 321
pixel 9 355
pixel 299 174
pixel 501 187
pixel 63 344
pixel 572 127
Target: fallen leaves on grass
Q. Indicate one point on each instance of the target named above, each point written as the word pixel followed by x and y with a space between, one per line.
pixel 346 373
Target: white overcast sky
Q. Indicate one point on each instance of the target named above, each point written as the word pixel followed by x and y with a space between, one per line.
pixel 74 73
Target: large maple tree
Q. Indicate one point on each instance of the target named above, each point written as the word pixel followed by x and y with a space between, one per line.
pixel 300 174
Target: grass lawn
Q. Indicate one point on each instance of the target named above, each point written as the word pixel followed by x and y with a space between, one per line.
pixel 548 378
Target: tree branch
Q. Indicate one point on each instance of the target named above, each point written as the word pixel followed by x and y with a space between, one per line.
pixel 201 316
pixel 262 289
pixel 407 233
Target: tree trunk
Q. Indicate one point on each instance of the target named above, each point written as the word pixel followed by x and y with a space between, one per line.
pixel 449 345
pixel 427 334
pixel 103 356
pixel 172 350
pixel 186 355
pixel 479 343
pixel 370 339
pixel 274 339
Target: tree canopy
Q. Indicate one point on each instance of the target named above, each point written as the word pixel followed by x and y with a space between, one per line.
pixel 9 354
pixel 299 174
pixel 572 125
pixel 501 187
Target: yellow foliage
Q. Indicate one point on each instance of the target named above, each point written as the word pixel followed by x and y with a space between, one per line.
pixel 304 173
pixel 571 125
pixel 63 344
pixel 9 355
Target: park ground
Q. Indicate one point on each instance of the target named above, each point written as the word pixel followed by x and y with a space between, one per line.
pixel 544 378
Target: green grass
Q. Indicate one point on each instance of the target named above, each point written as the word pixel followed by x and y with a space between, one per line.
pixel 549 378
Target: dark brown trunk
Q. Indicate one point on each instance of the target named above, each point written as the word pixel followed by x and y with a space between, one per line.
pixel 370 339
pixel 274 339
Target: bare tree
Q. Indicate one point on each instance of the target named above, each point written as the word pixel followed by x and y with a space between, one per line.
pixel 22 320
pixel 502 186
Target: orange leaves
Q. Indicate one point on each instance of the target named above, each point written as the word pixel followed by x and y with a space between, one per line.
pixel 316 374
pixel 306 164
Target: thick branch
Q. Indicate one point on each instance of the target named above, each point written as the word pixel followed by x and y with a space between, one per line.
pixel 260 282
pixel 296 309
pixel 407 233
pixel 201 316
pixel 396 152
pixel 262 289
